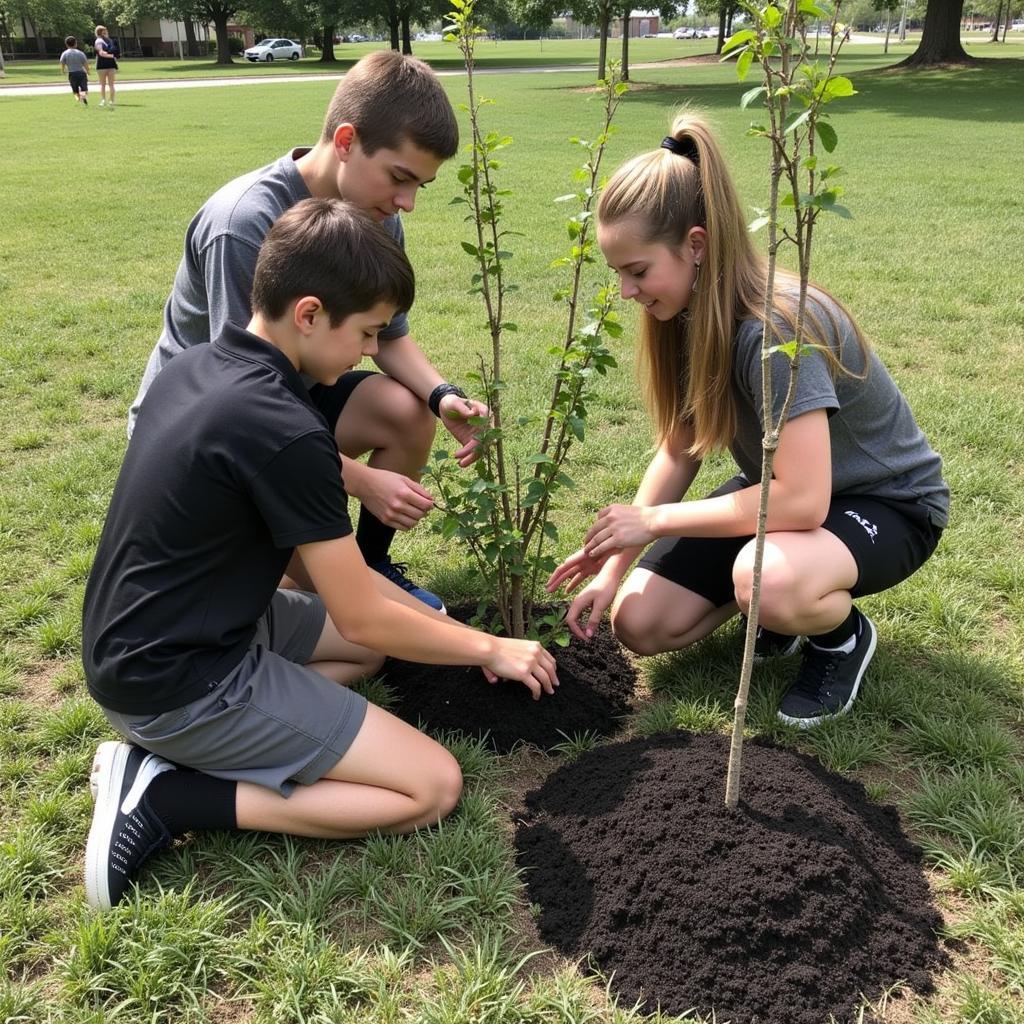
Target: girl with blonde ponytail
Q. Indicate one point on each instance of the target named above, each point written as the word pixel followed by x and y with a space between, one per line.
pixel 857 501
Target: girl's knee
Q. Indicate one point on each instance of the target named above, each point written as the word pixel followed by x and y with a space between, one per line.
pixel 372 662
pixel 441 795
pixel 636 629
pixel 408 414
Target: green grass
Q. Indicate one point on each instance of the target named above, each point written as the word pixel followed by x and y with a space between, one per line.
pixel 263 928
pixel 444 57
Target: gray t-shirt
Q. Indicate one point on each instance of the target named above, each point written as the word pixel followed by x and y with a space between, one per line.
pixel 74 60
pixel 214 279
pixel 877 447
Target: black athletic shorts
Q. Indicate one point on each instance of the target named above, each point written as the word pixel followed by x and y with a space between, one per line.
pixel 889 541
pixel 79 81
pixel 330 399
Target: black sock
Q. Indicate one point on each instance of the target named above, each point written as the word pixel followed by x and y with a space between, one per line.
pixel 190 801
pixel 850 626
pixel 373 537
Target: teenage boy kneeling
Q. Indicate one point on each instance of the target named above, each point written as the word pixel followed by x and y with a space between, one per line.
pixel 190 648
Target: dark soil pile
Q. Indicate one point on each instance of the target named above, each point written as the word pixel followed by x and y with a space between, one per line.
pixel 783 912
pixel 596 684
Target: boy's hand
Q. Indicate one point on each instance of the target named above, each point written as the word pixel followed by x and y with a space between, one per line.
pixel 525 661
pixel 455 415
pixel 394 499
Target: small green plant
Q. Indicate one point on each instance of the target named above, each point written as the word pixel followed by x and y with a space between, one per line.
pixel 795 90
pixel 502 513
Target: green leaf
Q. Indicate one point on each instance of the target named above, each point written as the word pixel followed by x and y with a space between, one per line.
pixel 811 10
pixel 741 38
pixel 788 349
pixel 827 134
pixel 465 174
pixel 565 199
pixel 838 86
pixel 771 16
pixel 746 58
pixel 797 122
pixel 748 97
pixel 471 249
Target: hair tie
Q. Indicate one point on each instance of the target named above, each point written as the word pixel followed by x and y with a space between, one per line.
pixel 681 147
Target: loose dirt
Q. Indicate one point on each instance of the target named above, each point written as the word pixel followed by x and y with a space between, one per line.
pixel 796 906
pixel 596 680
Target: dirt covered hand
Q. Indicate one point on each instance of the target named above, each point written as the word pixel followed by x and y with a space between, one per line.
pixel 456 414
pixel 525 661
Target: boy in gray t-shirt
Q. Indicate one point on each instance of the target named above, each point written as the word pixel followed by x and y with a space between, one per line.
pixel 76 64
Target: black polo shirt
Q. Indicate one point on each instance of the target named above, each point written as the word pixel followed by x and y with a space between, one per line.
pixel 229 468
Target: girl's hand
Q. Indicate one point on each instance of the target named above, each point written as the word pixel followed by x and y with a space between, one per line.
pixel 594 599
pixel 573 571
pixel 618 527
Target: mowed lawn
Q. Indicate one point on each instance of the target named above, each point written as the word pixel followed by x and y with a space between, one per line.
pixel 491 54
pixel 435 927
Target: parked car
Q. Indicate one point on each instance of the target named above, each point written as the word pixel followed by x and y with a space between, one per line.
pixel 683 32
pixel 274 49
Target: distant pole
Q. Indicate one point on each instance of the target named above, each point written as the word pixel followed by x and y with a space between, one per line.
pixel 903 22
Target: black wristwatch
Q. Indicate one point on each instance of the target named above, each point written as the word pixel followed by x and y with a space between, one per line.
pixel 442 389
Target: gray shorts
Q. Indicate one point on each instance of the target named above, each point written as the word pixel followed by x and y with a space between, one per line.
pixel 271 721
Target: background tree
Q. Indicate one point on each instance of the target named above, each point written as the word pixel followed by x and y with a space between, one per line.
pixel 185 11
pixel 666 11
pixel 220 12
pixel 940 37
pixel 41 18
pixel 724 11
pixel 888 8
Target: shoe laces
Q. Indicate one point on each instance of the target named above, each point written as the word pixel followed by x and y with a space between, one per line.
pixel 396 572
pixel 816 670
pixel 139 836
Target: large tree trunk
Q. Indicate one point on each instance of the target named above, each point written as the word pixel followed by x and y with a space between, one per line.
pixel 220 27
pixel 191 43
pixel 722 16
pixel 406 36
pixel 602 50
pixel 996 23
pixel 393 28
pixel 327 45
pixel 940 39
pixel 625 43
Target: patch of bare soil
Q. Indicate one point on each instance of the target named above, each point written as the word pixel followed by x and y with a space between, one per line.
pixel 794 908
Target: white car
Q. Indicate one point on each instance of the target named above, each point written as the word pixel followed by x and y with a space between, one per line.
pixel 274 49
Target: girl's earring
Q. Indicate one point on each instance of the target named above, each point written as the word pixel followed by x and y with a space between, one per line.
pixel 696 275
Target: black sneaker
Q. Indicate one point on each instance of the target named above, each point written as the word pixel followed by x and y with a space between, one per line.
pixel 125 831
pixel 395 571
pixel 828 681
pixel 768 644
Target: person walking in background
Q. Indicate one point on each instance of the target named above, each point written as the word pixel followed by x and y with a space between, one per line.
pixel 76 64
pixel 106 64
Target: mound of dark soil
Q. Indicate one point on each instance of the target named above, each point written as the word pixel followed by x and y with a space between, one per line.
pixel 783 912
pixel 596 683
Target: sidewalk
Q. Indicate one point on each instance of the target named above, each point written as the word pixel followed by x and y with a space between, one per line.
pixel 140 85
